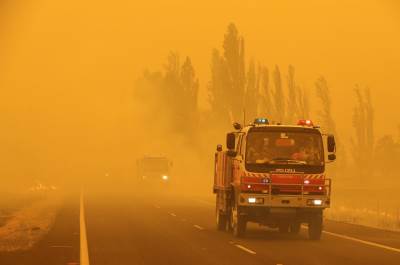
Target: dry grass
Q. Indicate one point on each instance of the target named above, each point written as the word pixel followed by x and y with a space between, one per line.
pixel 24 226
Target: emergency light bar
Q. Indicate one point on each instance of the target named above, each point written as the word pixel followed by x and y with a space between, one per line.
pixel 261 121
pixel 305 123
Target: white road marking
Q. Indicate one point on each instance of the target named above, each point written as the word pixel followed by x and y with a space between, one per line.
pixel 330 233
pixel 198 227
pixel 369 243
pixel 84 255
pixel 157 206
pixel 172 214
pixel 362 241
pixel 245 249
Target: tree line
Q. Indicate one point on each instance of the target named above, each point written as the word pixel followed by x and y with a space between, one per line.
pixel 237 91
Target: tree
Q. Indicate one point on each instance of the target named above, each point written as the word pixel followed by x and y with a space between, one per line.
pixel 325 101
pixel 292 103
pixel 327 122
pixel 363 124
pixel 267 106
pixel 234 56
pixel 190 89
pixel 303 104
pixel 218 88
pixel 278 96
pixel 252 92
pixel 387 157
pixel 172 94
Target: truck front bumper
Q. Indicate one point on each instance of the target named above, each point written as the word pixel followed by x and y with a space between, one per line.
pixel 284 201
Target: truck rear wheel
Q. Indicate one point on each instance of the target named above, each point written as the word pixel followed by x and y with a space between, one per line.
pixel 283 228
pixel 295 228
pixel 315 227
pixel 221 220
pixel 238 223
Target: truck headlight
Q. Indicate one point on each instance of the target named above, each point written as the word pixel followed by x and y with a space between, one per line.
pixel 254 200
pixel 315 202
pixel 165 177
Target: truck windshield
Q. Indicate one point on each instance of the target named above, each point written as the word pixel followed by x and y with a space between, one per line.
pixel 279 147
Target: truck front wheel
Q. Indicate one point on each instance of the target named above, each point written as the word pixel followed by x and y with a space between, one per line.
pixel 238 222
pixel 315 227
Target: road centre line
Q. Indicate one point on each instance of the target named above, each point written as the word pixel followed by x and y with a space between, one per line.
pixel 172 214
pixel 84 252
pixel 198 227
pixel 245 249
pixel 157 206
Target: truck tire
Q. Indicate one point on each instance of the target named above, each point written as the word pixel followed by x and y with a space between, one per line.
pixel 283 228
pixel 221 220
pixel 315 227
pixel 295 228
pixel 238 222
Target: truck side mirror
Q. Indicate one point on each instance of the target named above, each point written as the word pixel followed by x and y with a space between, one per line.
pixel 231 153
pixel 331 143
pixel 230 141
pixel 331 157
pixel 237 126
pixel 219 147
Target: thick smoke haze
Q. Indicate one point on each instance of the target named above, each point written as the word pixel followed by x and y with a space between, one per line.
pixel 68 72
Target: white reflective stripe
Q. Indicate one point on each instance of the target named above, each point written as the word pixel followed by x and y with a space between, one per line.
pixel 245 249
pixel 363 241
pixel 84 252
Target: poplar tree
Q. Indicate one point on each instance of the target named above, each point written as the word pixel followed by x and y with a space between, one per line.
pixel 363 142
pixel 252 94
pixel 267 106
pixel 279 97
pixel 234 56
pixel 292 103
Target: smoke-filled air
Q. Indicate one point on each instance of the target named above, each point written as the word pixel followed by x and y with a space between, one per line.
pixel 211 132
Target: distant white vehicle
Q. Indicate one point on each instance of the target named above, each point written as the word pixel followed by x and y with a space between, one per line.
pixel 154 169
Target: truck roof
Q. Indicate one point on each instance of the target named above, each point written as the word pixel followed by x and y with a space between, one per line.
pixel 249 127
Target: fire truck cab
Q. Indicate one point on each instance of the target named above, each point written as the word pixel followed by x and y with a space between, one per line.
pixel 274 175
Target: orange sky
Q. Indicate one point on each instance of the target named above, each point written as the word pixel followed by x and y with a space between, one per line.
pixel 69 63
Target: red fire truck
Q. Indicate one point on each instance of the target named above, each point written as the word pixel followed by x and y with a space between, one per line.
pixel 274 175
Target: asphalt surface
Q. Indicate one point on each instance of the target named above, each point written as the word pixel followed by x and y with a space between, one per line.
pixel 163 229
pixel 156 228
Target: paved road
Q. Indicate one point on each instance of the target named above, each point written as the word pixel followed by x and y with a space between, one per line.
pixel 164 229
pixel 160 229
